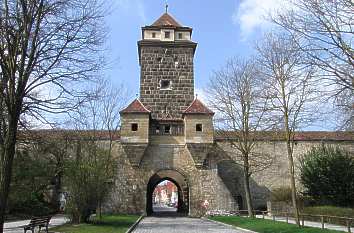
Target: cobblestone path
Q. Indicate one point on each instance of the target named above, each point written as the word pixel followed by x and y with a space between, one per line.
pixel 181 225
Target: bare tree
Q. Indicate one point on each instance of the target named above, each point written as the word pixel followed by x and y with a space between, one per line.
pixel 95 120
pixel 324 30
pixel 47 47
pixel 236 93
pixel 291 90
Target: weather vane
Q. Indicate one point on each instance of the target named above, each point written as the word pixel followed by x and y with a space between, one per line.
pixel 166 5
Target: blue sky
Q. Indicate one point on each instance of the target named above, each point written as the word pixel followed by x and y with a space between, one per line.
pixel 222 29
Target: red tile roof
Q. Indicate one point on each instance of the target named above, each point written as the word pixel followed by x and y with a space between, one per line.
pixel 135 107
pixel 197 107
pixel 166 20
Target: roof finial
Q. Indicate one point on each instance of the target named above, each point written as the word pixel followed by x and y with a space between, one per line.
pixel 166 5
pixel 196 96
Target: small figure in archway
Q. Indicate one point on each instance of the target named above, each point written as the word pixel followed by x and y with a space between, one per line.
pixel 205 206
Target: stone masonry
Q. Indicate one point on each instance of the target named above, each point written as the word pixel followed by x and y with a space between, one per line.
pixel 170 64
pixel 219 181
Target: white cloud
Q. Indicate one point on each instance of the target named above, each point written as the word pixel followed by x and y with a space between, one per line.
pixel 251 14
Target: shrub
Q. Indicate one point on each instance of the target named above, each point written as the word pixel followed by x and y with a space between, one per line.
pixel 327 174
pixel 32 177
pixel 281 194
pixel 88 177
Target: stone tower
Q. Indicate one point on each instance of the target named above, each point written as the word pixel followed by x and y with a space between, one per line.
pixel 166 54
pixel 166 106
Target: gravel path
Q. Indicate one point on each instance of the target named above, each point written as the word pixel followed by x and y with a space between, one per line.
pixel 182 225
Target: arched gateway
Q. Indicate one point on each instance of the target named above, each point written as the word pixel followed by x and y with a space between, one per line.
pixel 181 183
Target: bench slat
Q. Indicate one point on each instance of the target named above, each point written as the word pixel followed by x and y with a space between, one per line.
pixel 38 221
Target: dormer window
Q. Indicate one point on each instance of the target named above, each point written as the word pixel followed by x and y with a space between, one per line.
pixel 167 35
pixel 165 84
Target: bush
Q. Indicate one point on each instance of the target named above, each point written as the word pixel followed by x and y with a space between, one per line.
pixel 32 206
pixel 281 194
pixel 88 178
pixel 32 177
pixel 327 174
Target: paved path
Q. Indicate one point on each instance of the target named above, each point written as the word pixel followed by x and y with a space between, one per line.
pixel 16 226
pixel 311 224
pixel 182 225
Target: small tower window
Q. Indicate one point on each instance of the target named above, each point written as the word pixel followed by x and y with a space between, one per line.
pixel 199 127
pixel 167 35
pixel 167 129
pixel 134 127
pixel 153 35
pixel 165 84
pixel 180 36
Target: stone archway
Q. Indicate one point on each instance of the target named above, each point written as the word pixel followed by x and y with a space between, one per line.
pixel 181 183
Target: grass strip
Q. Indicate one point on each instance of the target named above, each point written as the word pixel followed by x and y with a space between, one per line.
pixel 267 226
pixel 108 224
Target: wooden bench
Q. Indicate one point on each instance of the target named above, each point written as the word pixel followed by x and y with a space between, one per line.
pixel 40 222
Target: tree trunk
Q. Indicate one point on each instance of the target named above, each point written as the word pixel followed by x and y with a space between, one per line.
pixel 99 210
pixel 246 182
pixel 5 180
pixel 289 138
pixel 292 182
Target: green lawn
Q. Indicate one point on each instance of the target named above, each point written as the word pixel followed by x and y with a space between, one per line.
pixel 109 224
pixel 267 226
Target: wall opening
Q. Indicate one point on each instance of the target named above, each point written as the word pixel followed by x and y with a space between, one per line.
pixel 172 201
pixel 165 197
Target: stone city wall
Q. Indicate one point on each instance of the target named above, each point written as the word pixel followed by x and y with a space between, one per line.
pixel 219 181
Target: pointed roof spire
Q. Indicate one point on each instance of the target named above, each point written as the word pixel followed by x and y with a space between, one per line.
pixel 166 20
